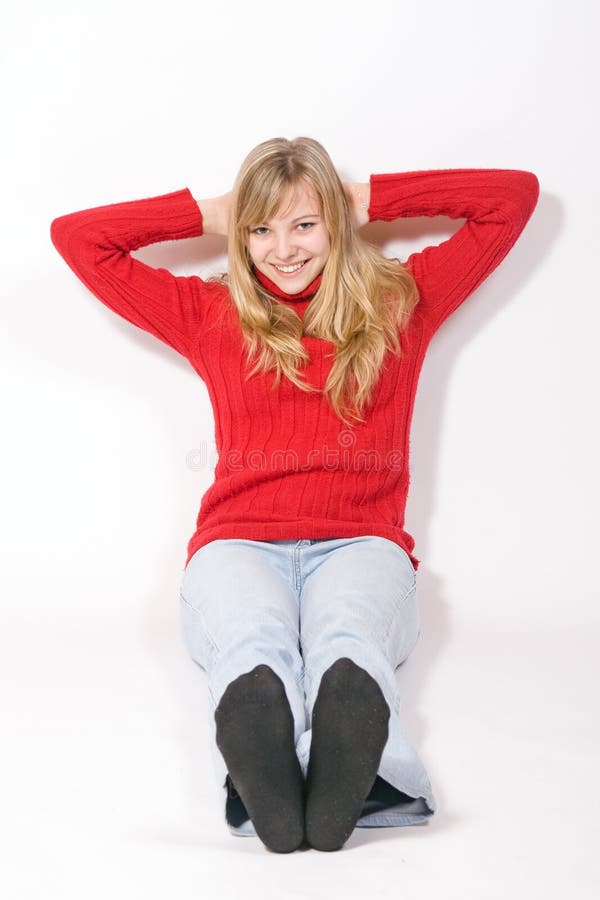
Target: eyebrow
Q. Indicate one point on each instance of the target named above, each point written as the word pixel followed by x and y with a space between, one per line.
pixel 300 218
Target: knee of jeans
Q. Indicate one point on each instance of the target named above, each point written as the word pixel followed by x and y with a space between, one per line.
pixel 259 627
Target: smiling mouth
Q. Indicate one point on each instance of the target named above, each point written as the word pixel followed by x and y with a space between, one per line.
pixel 288 270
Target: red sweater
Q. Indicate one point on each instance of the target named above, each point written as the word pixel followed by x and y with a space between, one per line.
pixel 287 467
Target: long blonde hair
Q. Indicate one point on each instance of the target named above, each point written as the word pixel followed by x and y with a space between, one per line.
pixel 363 301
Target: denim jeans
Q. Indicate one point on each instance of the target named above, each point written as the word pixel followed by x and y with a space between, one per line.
pixel 298 606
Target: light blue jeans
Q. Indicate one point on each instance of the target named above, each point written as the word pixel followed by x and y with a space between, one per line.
pixel 298 606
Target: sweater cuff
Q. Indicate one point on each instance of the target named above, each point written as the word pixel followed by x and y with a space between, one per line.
pixel 197 209
pixel 383 192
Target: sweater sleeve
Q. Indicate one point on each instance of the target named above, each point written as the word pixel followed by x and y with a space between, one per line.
pixel 497 203
pixel 96 244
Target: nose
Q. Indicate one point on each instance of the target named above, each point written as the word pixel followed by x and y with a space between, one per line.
pixel 284 248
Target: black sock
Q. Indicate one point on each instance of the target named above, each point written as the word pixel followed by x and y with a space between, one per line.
pixel 349 732
pixel 255 734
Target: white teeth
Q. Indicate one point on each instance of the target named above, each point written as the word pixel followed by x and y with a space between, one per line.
pixel 289 268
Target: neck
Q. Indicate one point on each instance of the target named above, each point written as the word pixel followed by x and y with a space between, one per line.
pixel 309 291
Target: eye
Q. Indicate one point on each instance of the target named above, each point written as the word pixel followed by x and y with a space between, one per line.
pixel 309 225
pixel 260 230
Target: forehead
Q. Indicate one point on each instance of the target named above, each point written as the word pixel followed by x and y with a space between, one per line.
pixel 298 200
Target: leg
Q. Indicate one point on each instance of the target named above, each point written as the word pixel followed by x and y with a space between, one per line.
pixel 359 621
pixel 240 622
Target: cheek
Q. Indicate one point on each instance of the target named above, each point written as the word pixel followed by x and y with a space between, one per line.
pixel 323 245
pixel 325 248
pixel 252 250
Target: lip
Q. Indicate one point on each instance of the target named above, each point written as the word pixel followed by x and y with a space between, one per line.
pixel 290 274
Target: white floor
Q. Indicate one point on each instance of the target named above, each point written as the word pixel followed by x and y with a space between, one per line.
pixel 108 788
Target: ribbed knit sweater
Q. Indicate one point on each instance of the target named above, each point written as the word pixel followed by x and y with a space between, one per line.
pixel 287 467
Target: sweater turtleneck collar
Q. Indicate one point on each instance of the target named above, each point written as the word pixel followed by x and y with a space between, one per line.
pixel 306 294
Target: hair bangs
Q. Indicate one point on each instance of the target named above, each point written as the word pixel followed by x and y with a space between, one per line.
pixel 265 196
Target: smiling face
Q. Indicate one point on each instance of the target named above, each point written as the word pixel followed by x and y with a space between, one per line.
pixel 293 246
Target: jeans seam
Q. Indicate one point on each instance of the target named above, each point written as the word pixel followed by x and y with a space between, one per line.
pixel 409 593
pixel 200 615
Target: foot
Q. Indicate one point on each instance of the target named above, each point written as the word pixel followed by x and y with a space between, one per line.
pixel 255 734
pixel 349 732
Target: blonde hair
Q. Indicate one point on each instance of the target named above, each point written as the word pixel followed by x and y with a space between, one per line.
pixel 363 301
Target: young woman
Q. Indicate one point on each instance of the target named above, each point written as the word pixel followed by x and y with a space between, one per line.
pixel 298 596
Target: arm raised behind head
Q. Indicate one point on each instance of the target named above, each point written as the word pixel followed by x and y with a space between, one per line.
pixel 497 204
pixel 96 244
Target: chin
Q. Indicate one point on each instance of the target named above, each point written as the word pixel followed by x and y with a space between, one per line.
pixel 294 288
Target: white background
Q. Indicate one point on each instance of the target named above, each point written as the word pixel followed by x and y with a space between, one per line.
pixel 106 785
